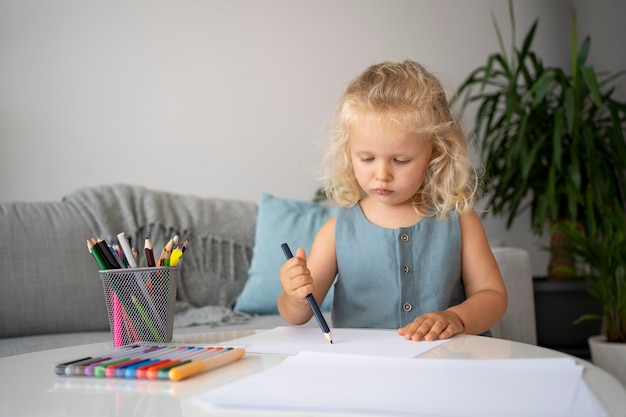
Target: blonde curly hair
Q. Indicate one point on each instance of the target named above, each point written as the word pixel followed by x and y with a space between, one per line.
pixel 406 94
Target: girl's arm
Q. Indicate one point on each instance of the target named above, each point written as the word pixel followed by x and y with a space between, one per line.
pixel 486 294
pixel 300 276
pixel 484 288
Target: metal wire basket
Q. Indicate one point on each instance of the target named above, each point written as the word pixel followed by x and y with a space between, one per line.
pixel 140 304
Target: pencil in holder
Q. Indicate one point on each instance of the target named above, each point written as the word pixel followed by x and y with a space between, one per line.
pixel 140 304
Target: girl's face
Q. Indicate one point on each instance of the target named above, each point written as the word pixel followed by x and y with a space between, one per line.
pixel 389 163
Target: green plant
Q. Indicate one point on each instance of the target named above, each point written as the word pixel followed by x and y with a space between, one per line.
pixel 319 196
pixel 601 253
pixel 551 141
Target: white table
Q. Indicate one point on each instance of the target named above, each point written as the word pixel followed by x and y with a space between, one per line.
pixel 31 388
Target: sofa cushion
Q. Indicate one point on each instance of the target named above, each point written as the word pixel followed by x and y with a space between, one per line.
pixel 279 221
pixel 48 280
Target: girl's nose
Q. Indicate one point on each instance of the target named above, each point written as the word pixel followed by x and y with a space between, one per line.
pixel 382 174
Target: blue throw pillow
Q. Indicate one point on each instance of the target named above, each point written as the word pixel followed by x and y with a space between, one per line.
pixel 279 221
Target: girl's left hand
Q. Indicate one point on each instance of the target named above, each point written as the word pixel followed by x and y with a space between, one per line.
pixel 432 326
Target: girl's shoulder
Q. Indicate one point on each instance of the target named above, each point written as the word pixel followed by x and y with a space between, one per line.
pixel 349 212
pixel 471 224
pixel 468 217
pixel 328 228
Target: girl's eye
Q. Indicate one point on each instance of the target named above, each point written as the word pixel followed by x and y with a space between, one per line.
pixel 366 159
pixel 402 161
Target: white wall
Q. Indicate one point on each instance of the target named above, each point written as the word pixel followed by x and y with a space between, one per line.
pixel 223 98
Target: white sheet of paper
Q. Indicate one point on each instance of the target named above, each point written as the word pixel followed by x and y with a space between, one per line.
pixel 587 404
pixel 323 382
pixel 293 340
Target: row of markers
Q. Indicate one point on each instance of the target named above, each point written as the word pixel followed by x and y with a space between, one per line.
pixel 167 362
pixel 122 255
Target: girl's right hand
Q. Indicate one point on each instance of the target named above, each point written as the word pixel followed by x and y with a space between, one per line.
pixel 295 279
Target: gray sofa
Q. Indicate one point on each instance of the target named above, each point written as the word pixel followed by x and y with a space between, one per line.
pixel 51 291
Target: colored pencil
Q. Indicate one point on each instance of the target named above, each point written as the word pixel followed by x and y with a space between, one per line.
pixel 312 303
pixel 149 252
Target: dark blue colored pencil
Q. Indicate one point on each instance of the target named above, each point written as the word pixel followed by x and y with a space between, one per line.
pixel 312 303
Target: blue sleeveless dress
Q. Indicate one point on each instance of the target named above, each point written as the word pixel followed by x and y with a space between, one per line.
pixel 387 277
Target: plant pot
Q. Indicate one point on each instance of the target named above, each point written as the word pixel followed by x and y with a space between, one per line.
pixel 609 356
pixel 558 304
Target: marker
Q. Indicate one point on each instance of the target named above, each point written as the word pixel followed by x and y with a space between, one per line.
pixel 118 334
pixel 160 370
pixel 142 371
pixel 312 303
pixel 60 368
pixel 77 367
pixel 100 370
pixel 130 326
pixel 109 259
pixel 202 365
pixel 128 251
pixel 164 372
pixel 90 369
pixel 116 250
pixel 119 370
pixel 177 253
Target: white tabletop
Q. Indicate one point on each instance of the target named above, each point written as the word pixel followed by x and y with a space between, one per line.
pixel 31 388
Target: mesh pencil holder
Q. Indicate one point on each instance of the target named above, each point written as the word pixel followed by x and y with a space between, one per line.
pixel 140 304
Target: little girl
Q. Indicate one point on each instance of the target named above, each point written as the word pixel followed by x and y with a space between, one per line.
pixel 407 249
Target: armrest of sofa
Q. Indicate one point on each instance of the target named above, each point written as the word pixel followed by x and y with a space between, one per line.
pixel 49 281
pixel 518 323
